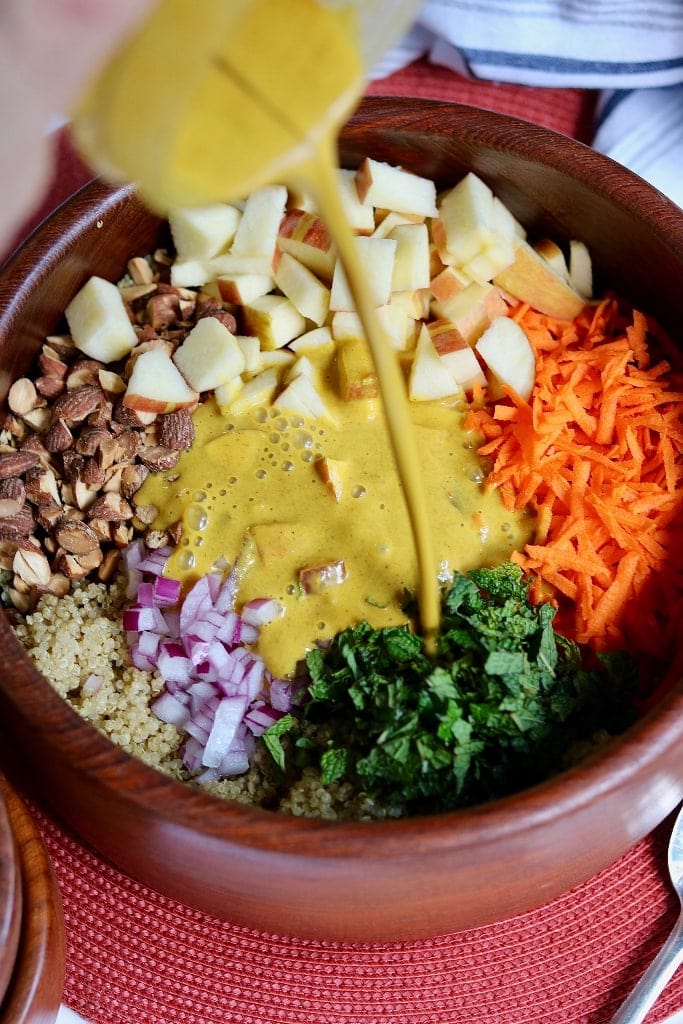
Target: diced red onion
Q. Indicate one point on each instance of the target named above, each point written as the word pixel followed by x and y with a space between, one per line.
pixel 253 679
pixel 202 693
pixel 235 762
pixel 229 630
pixel 172 663
pixel 155 561
pixel 226 721
pixel 197 649
pixel 137 619
pixel 225 601
pixel 140 661
pixel 281 693
pixel 217 689
pixel 259 717
pixel 192 751
pixel 166 591
pixel 145 595
pixel 170 710
pixel 148 644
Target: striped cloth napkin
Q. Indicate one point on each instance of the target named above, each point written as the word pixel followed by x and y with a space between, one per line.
pixel 632 52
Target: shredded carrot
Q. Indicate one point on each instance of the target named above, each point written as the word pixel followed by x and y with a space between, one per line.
pixel 597 454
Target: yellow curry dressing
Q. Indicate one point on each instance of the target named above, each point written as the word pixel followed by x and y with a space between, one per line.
pixel 252 492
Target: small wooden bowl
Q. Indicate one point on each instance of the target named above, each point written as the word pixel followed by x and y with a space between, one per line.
pixel 35 988
pixel 371 880
pixel 10 898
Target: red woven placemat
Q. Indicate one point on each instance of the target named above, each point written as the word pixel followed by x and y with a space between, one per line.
pixel 569 111
pixel 136 957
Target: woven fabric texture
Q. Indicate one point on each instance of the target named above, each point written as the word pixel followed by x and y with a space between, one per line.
pixel 568 111
pixel 136 957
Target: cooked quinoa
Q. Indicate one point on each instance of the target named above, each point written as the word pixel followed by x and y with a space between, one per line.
pixel 78 644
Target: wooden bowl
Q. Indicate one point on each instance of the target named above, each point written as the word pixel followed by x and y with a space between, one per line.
pixel 35 988
pixel 10 898
pixel 371 880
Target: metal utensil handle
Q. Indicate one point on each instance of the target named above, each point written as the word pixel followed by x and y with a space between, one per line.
pixel 655 979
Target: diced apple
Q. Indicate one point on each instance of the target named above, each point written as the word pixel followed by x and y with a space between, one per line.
pixel 225 394
pixel 483 267
pixel 302 396
pixel 301 365
pixel 250 346
pixel 274 319
pixel 346 325
pixel 430 379
pixel 466 212
pixel 580 268
pixel 387 220
pixel 226 264
pixel 258 229
pixel 300 199
pixel 552 253
pixel 397 325
pixel 445 336
pixel 316 579
pixel 509 357
pixel 257 391
pixel 99 322
pixel 505 223
pixel 447 283
pixel 414 303
pixel 356 370
pixel 209 355
pixel 439 241
pixel 456 354
pixel 531 279
pixel 376 260
pixel 203 231
pixel 472 310
pixel 242 288
pixel 464 367
pixel 317 340
pixel 156 385
pixel 304 236
pixel 382 184
pixel 190 273
pixel 411 260
pixel 273 541
pixel 280 358
pixel 331 472
pixel 359 217
pixel 435 263
pixel 303 289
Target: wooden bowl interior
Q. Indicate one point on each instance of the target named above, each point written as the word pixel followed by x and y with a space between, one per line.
pixel 356 880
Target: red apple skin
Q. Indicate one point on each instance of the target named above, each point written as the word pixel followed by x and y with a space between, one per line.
pixel 445 284
pixel 531 279
pixel 305 227
pixel 147 403
pixel 445 336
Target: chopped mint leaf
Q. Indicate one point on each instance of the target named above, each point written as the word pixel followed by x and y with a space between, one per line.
pixel 495 711
pixel 272 738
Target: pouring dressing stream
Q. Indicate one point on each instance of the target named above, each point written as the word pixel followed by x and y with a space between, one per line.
pixel 242 71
